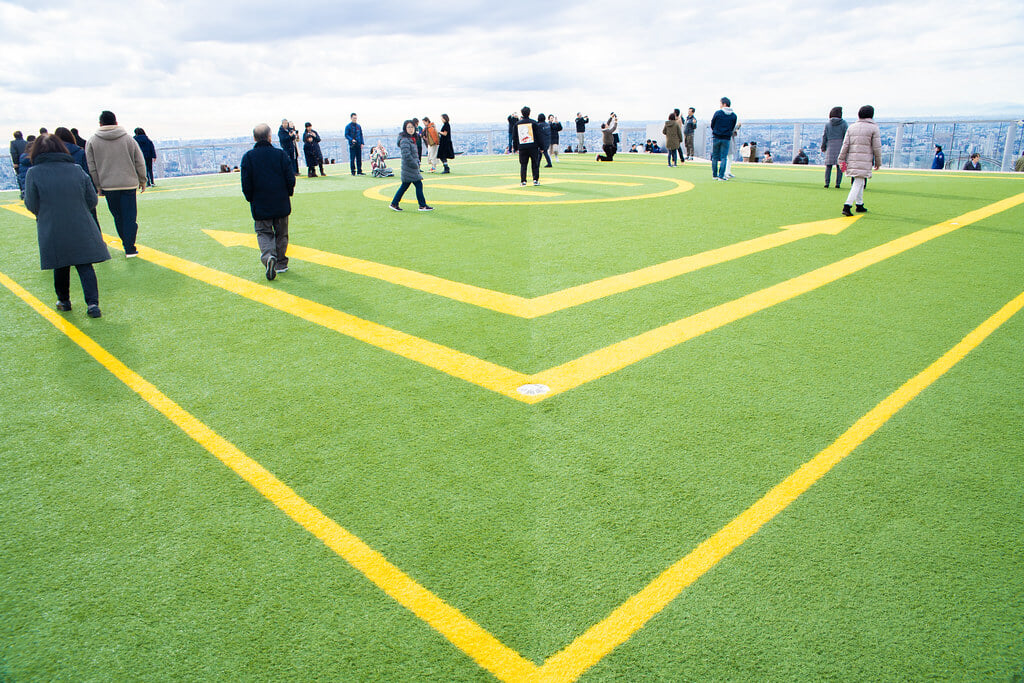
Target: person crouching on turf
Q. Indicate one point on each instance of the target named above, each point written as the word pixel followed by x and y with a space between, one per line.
pixel 410 168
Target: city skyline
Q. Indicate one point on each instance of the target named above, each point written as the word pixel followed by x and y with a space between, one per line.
pixel 189 70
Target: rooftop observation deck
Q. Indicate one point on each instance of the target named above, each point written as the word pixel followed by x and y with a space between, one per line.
pixel 629 424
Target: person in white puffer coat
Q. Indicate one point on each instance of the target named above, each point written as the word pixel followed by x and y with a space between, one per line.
pixel 861 152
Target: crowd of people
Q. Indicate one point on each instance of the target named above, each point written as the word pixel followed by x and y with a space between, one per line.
pixel 61 175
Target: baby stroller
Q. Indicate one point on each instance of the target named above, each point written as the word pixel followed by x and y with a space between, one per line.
pixel 377 164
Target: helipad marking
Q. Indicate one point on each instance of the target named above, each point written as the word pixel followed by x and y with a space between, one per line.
pixel 602 638
pixel 523 307
pixel 377 192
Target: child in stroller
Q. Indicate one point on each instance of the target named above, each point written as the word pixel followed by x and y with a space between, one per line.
pixel 379 169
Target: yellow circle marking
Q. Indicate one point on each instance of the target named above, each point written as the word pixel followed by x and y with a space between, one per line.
pixel 377 191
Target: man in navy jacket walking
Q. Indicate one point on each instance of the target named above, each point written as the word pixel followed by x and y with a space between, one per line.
pixel 354 135
pixel 268 183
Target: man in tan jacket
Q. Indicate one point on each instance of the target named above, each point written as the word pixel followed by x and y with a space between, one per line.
pixel 117 169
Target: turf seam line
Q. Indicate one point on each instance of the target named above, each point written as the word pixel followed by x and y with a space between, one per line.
pixel 464 633
pixel 599 640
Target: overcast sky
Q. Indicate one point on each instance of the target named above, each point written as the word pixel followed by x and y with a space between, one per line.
pixel 193 69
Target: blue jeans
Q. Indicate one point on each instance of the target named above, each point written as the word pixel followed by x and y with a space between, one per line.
pixel 125 211
pixel 418 184
pixel 719 155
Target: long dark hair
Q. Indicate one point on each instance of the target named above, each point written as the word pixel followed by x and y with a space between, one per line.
pixel 404 133
pixel 65 135
pixel 445 117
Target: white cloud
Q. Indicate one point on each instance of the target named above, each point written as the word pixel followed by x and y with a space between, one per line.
pixel 198 69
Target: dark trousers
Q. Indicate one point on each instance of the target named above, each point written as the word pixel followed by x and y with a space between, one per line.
pixel 418 184
pixel 62 283
pixel 272 238
pixel 294 156
pixel 355 159
pixel 312 161
pixel 828 176
pixel 609 152
pixel 149 172
pixel 532 157
pixel 125 212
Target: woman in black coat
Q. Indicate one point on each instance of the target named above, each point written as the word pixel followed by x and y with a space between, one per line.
pixel 311 148
pixel 445 150
pixel 61 195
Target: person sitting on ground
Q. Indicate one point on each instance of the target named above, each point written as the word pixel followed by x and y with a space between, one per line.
pixel 768 157
pixel 801 157
pixel 974 163
pixel 633 149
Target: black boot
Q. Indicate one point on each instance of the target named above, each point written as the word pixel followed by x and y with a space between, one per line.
pixel 861 209
pixel 846 210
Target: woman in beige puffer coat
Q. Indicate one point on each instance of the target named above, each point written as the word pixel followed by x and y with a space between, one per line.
pixel 862 151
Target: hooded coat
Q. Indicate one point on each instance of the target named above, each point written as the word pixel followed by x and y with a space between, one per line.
pixel 862 148
pixel 115 160
pixel 61 195
pixel 832 139
pixel 673 134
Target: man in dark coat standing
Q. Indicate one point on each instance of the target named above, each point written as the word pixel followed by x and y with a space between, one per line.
pixel 354 135
pixel 527 144
pixel 268 183
pixel 18 145
pixel 287 135
pixel 581 132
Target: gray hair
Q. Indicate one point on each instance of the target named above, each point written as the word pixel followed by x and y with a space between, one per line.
pixel 261 133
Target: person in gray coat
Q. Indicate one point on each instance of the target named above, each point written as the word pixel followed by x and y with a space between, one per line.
pixel 832 142
pixel 410 168
pixel 61 194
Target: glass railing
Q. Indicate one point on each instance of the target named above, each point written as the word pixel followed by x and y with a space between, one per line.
pixel 905 144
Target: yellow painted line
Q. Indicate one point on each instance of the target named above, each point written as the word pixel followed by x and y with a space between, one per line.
pixel 464 366
pixel 464 633
pixel 627 619
pixel 375 191
pixel 160 190
pixel 523 307
pixel 587 368
pixel 19 208
pixel 515 190
pixel 477 296
pixel 619 355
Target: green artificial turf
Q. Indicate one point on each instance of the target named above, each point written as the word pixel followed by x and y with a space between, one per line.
pixel 129 552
